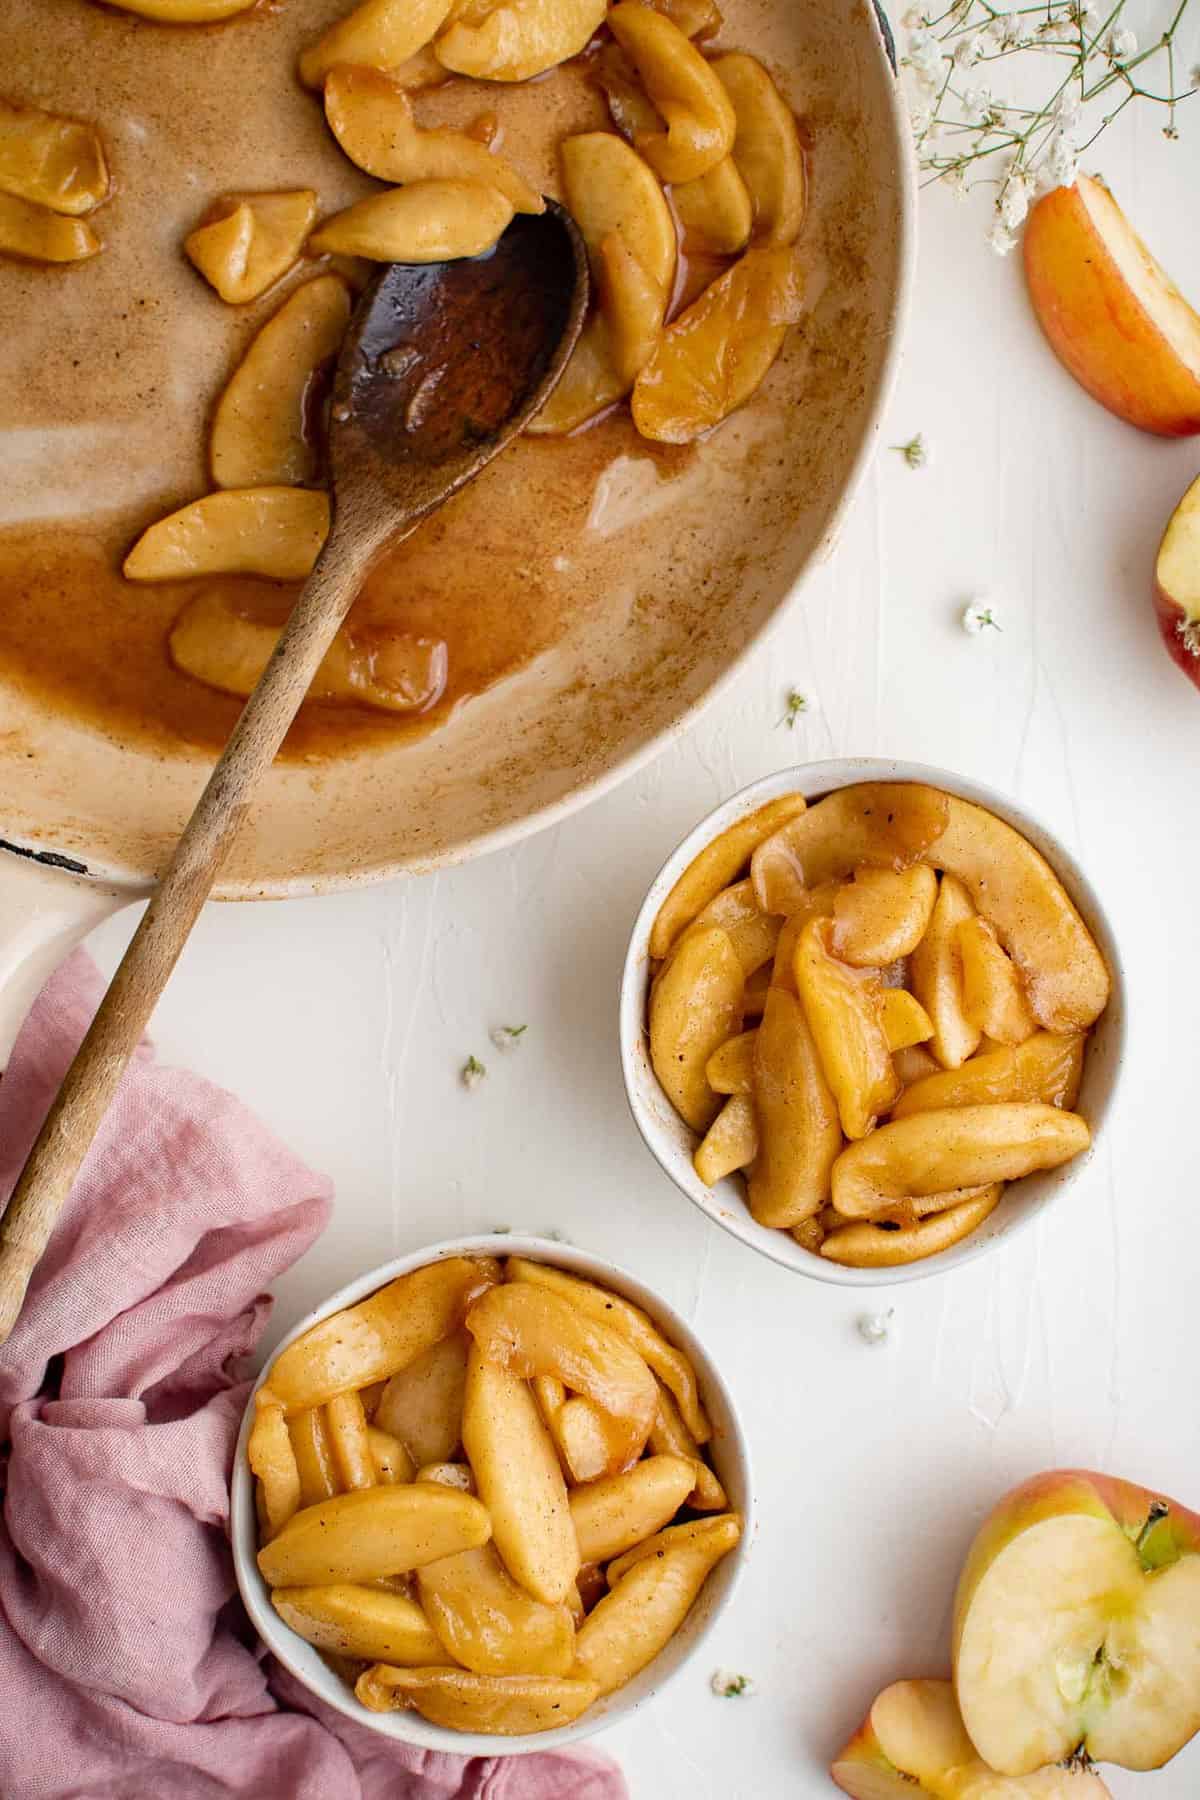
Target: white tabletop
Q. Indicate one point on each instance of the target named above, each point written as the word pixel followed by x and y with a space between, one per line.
pixel 345 1022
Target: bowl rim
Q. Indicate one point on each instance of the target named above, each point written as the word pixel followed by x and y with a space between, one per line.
pixel 724 1204
pixel 408 1727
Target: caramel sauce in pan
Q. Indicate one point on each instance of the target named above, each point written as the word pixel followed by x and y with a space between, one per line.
pixel 109 372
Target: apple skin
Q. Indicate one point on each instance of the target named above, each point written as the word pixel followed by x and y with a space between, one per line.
pixel 1177 585
pixel 1134 344
pixel 1060 1493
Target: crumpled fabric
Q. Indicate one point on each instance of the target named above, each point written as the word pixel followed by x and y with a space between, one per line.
pixel 127 1666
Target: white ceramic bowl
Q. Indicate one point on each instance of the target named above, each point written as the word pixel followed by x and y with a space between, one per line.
pixel 729 1454
pixel 672 1143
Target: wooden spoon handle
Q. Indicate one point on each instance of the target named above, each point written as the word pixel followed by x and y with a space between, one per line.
pixel 154 949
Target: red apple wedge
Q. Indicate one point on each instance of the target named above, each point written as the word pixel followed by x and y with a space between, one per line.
pixel 1077 1626
pixel 1112 314
pixel 1177 584
pixel 912 1742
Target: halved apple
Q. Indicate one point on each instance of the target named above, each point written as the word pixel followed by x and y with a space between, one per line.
pixel 1077 1626
pixel 372 119
pixel 272 531
pixel 1177 584
pixel 913 1743
pixel 1112 315
pixel 259 434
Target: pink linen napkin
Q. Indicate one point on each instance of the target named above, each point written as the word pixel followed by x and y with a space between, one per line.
pixel 127 1666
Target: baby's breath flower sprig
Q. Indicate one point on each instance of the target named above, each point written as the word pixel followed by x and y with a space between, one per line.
pixel 1091 69
pixel 797 705
pixel 914 452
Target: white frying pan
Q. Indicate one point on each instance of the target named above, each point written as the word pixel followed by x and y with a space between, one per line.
pixel 669 574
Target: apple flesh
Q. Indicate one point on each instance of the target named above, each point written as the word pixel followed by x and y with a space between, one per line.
pixel 1077 1626
pixel 1112 315
pixel 1177 584
pixel 912 1742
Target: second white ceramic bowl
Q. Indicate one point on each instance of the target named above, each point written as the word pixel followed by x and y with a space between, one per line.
pixel 728 1451
pixel 672 1143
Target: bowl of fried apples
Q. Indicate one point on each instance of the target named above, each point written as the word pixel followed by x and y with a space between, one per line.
pixel 489 1497
pixel 872 1019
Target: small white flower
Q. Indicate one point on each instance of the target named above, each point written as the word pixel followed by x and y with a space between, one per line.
pixel 925 57
pixel 1013 204
pixel 727 1684
pixel 507 1037
pixel 1061 164
pixel 1066 113
pixel 920 116
pixel 956 181
pixel 874 1328
pixel 1120 45
pixel 968 50
pixel 977 618
pixel 471 1073
pixel 914 19
pixel 1002 241
pixel 1005 31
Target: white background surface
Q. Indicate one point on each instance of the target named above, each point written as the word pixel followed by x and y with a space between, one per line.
pixel 345 1021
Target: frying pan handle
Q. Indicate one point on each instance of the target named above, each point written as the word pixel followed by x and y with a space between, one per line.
pixel 44 913
pixel 885 31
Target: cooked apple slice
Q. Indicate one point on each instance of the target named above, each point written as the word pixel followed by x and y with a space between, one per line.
pixel 695 1004
pixel 372 1532
pixel 799 1131
pixel 1075 1626
pixel 371 117
pixel 1113 316
pixel 887 1245
pixel 715 211
pixel 913 1743
pixel 246 242
pixel 1177 584
pixel 885 824
pixel 380 34
pixel 1046 1068
pixel 51 161
pixel 882 915
pixel 753 934
pixel 937 1152
pixel 905 1021
pixel 992 995
pixel 613 1515
pixel 184 12
pixel 730 1143
pixel 936 973
pixel 517 39
pixel 717 354
pixel 1066 981
pixel 352 1620
pixel 259 433
pixel 215 643
pixel 695 18
pixel 432 221
pixel 719 863
pixel 766 149
pixel 488 1623
pixel 588 386
pixel 273 531
pixel 36 234
pixel 730 1070
pixel 698 113
pixel 495 1705
pixel 630 106
pixel 844 1010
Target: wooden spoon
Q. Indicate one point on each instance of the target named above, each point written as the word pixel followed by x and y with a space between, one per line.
pixel 443 365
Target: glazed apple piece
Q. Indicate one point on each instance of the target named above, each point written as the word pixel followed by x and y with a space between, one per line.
pixel 873 1245
pixel 844 1010
pixel 380 34
pixel 1066 980
pixel 260 434
pixel 695 1004
pixel 730 1143
pixel 730 1070
pixel 766 149
pixel 695 18
pixel 350 1619
pixel 1112 315
pixel 905 1021
pixel 432 221
pixel 1045 1068
pixel 881 915
pixel 496 1705
pixel 993 997
pixel 184 12
pixel 372 119
pixel 276 532
pixel 36 234
pixel 1177 584
pixel 887 825
pixel 247 242
pixel 372 1532
pixel 630 106
pixel 719 863
pixel 487 1622
pixel 610 190
pixel 50 160
pixel 945 1150
pixel 936 974
pixel 716 355
pixel 913 1743
pixel 697 112
pixel 515 40
pixel 1075 1626
pixel 715 211
pixel 799 1131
